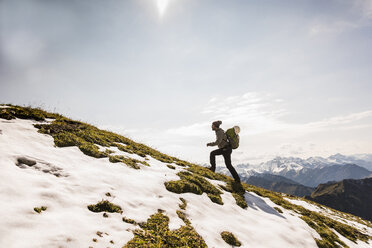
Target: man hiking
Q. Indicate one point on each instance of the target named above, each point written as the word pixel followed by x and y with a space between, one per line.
pixel 224 148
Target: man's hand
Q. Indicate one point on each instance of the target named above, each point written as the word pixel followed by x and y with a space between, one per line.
pixel 208 144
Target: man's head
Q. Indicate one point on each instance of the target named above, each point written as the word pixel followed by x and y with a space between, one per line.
pixel 216 125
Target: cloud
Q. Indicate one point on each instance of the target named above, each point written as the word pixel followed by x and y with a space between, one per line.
pixel 261 113
pixel 340 122
pixel 196 129
pixel 254 112
pixel 364 7
pixel 21 48
pixel 335 27
pixel 357 14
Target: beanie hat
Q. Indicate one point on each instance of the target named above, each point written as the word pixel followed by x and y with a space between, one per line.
pixel 217 123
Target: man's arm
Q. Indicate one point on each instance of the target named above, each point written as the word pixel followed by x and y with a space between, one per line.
pixel 218 140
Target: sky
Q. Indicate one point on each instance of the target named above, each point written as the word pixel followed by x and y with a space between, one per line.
pixel 294 75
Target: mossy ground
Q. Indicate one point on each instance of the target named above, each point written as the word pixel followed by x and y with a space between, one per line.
pixel 67 132
pixel 237 190
pixel 155 233
pixel 105 206
pixel 12 112
pixel 132 162
pixel 193 183
pixel 230 238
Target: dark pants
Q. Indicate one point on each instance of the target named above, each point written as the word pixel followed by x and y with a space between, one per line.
pixel 226 152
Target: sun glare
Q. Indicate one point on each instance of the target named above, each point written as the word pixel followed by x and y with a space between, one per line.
pixel 162 6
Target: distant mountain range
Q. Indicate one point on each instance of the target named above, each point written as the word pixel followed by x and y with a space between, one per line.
pixel 278 184
pixel 363 160
pixel 311 171
pixel 298 176
pixel 281 165
pixel 349 195
pixel 336 172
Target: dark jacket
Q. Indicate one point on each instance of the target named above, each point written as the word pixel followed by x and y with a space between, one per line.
pixel 221 139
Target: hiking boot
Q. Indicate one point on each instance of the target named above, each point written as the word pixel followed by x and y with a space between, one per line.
pixel 237 186
pixel 211 169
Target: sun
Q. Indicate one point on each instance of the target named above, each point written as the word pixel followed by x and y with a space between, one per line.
pixel 162 6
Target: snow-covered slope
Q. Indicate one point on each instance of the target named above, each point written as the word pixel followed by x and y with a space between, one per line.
pixel 35 172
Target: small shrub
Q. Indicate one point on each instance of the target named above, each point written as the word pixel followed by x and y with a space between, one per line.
pixel 237 191
pixel 108 151
pixel 131 162
pixel 184 204
pixel 39 210
pixel 205 172
pixel 105 206
pixel 182 163
pixel 129 221
pixel 229 238
pixel 155 233
pixel 182 186
pixel 171 166
pixel 240 200
pixel 65 139
pixel 4 114
pixel 182 216
pixel 91 150
pixel 193 183
pixel 278 209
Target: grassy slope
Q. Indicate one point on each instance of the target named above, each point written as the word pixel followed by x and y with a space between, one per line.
pixel 67 132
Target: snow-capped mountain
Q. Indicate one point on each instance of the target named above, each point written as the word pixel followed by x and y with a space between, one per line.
pixel 65 183
pixel 353 167
pixel 363 160
pixel 280 165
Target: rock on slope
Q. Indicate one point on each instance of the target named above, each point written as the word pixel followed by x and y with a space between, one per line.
pixel 65 183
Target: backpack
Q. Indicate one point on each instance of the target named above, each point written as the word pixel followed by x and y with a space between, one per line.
pixel 232 137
